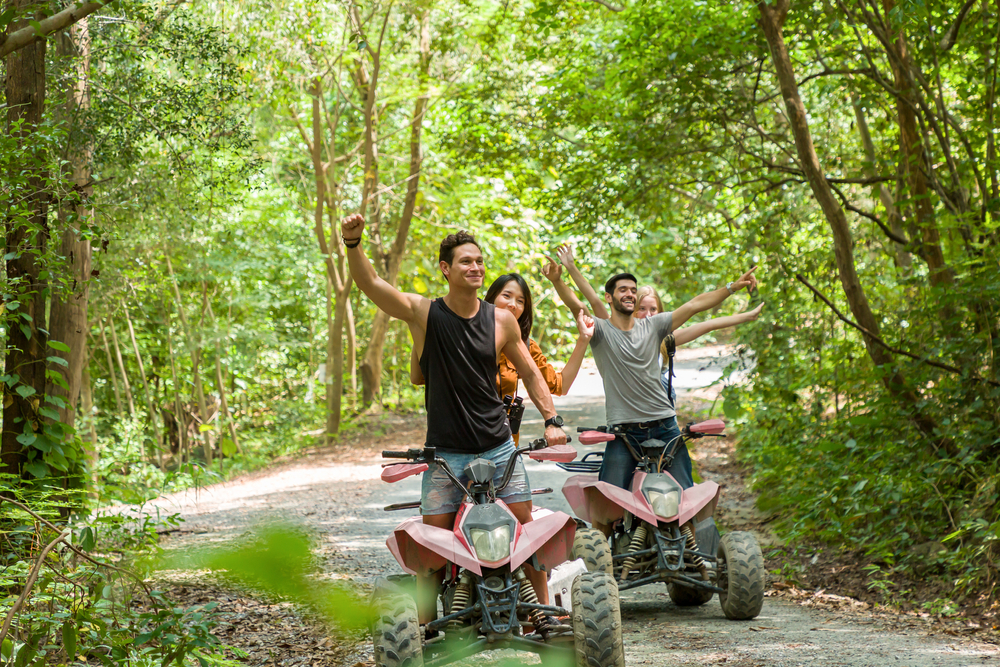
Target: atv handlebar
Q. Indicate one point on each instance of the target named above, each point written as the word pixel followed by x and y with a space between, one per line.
pixel 413 454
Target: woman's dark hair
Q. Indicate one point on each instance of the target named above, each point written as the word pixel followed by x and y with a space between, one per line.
pixel 528 314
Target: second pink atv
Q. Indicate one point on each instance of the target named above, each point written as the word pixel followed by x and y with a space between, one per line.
pixel 488 601
pixel 663 533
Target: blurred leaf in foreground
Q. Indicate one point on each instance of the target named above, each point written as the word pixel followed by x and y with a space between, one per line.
pixel 279 562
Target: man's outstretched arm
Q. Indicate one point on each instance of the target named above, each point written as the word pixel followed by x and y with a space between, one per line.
pixel 401 305
pixel 711 299
pixel 565 255
pixel 688 334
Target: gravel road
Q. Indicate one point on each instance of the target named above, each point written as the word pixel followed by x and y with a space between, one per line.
pixel 338 494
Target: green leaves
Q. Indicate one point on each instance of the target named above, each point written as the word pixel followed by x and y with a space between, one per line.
pixel 278 561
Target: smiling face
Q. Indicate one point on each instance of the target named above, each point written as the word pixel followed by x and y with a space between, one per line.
pixel 467 267
pixel 623 298
pixel 512 298
pixel 647 307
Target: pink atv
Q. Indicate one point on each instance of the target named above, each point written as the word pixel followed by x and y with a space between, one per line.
pixel 487 599
pixel 663 533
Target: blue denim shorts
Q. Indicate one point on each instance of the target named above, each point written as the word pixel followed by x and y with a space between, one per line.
pixel 619 464
pixel 438 494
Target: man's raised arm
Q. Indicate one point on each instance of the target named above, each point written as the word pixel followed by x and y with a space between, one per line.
pixel 712 299
pixel 565 255
pixel 397 304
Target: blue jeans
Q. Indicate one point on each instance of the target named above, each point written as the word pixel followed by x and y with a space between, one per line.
pixel 438 494
pixel 619 464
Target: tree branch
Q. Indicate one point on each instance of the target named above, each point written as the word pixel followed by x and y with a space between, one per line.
pixel 30 583
pixel 894 350
pixel 951 36
pixel 902 240
pixel 609 6
pixel 29 35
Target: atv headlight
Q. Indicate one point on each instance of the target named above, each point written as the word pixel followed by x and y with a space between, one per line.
pixel 664 504
pixel 491 545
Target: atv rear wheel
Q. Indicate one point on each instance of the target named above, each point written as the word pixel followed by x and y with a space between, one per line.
pixel 597 621
pixel 741 576
pixel 685 596
pixel 396 631
pixel 591 545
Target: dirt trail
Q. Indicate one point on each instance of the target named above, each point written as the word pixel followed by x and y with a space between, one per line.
pixel 338 494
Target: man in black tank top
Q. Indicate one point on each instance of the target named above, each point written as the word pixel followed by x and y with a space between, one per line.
pixel 458 339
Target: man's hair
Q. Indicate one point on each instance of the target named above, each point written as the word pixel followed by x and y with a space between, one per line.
pixel 609 287
pixel 451 242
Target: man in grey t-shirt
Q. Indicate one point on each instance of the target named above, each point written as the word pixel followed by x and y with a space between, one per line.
pixel 626 351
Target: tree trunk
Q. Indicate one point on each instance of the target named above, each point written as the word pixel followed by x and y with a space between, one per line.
pixel 912 154
pixel 332 400
pixel 772 19
pixel 87 413
pixel 111 371
pixel 199 391
pixel 219 380
pixel 371 367
pixel 352 353
pixel 899 253
pixel 68 312
pixel 121 366
pixel 25 235
pixel 151 410
pixel 182 452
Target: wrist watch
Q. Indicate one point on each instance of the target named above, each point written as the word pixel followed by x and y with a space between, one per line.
pixel 729 286
pixel 556 421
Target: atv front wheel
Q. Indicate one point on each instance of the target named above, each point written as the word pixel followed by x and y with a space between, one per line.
pixel 597 621
pixel 685 596
pixel 591 545
pixel 741 576
pixel 396 631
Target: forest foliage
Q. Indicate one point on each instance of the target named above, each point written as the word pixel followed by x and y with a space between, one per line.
pixel 176 303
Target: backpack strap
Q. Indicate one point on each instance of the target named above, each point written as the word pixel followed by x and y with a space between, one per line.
pixel 671 350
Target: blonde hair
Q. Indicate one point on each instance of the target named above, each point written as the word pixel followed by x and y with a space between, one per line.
pixel 642 293
pixel 648 290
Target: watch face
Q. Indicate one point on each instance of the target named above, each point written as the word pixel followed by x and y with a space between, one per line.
pixel 555 421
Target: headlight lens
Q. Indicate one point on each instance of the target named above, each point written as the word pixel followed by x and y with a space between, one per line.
pixel 491 545
pixel 665 505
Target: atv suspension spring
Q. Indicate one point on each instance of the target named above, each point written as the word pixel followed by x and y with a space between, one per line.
pixel 528 595
pixel 463 592
pixel 692 546
pixel 638 542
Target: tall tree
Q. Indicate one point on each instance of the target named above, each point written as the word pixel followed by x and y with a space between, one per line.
pixel 25 235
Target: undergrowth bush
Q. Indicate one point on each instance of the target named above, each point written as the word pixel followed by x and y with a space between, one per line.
pixel 840 460
pixel 75 592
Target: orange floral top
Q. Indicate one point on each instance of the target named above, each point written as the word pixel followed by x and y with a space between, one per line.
pixel 507 377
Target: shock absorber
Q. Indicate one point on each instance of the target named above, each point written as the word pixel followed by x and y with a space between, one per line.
pixel 638 542
pixel 528 595
pixel 463 593
pixel 692 546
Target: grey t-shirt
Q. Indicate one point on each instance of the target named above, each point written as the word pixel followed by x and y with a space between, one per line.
pixel 629 365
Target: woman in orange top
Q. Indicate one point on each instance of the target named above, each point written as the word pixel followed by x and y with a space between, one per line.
pixel 510 291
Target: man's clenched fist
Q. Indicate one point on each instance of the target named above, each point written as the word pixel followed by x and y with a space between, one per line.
pixel 352 226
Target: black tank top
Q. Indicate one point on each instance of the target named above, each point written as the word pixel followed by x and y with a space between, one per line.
pixel 459 363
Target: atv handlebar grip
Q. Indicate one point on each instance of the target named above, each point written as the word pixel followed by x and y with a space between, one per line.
pixel 541 443
pixel 389 454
